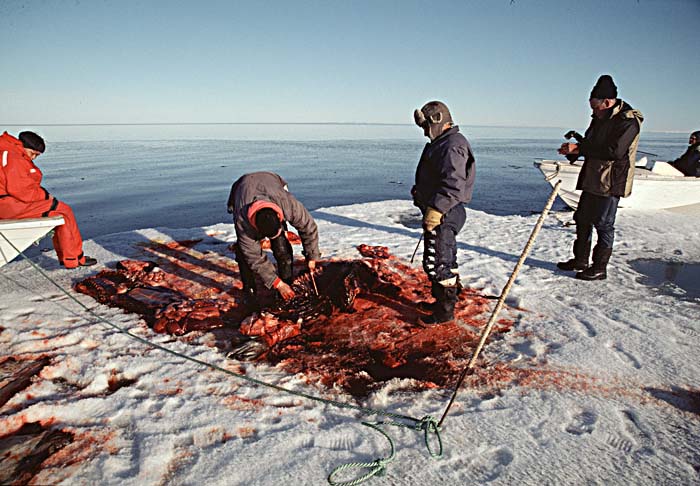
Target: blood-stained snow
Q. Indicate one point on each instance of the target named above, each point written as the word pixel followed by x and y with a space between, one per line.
pixel 581 382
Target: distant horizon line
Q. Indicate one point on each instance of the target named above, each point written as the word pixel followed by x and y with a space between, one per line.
pixel 199 123
pixel 243 123
pixel 282 123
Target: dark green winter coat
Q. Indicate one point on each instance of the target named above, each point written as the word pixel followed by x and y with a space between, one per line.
pixel 609 148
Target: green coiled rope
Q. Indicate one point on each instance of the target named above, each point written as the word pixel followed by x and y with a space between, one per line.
pixel 378 467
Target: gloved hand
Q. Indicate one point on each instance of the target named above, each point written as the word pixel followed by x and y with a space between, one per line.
pixel 285 290
pixel 431 219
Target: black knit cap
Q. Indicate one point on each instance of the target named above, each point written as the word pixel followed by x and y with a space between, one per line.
pixel 605 88
pixel 696 134
pixel 32 141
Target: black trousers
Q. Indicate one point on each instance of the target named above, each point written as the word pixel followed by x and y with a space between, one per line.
pixel 599 212
pixel 440 248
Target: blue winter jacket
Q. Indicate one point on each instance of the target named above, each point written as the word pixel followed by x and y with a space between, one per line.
pixel 445 173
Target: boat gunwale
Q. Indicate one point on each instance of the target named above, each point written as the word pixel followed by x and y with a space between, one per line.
pixel 640 173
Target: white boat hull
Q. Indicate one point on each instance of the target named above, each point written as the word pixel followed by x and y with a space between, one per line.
pixel 650 190
pixel 22 233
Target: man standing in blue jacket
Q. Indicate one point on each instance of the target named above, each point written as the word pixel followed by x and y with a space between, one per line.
pixel 444 182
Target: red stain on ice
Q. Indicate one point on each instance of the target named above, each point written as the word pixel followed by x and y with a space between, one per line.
pixel 237 402
pixel 375 339
pixel 115 381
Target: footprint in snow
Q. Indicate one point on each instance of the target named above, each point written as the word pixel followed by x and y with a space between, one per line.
pixel 18 313
pixel 490 465
pixel 630 428
pixel 625 356
pixel 48 298
pixel 340 441
pixel 153 406
pixel 588 328
pixel 639 432
pixel 619 442
pixel 582 423
pixel 526 348
pixel 689 332
pixel 305 441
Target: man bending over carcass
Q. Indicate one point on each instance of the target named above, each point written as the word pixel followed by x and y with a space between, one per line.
pixel 262 205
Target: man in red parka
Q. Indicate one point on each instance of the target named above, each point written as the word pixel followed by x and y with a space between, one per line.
pixel 21 196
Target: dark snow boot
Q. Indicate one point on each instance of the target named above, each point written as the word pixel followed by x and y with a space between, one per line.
pixel 87 261
pixel 597 271
pixel 435 292
pixel 444 306
pixel 582 252
pixel 81 261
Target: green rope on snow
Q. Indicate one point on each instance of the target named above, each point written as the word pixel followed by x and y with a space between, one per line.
pixel 378 467
pixel 428 424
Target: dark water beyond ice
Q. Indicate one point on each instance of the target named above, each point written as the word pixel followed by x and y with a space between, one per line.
pixel 119 181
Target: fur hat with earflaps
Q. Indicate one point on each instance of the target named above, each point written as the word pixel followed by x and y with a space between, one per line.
pixel 432 118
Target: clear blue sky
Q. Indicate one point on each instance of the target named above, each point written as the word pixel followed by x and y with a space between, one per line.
pixel 531 63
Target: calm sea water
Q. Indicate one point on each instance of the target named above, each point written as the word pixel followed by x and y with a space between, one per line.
pixel 120 178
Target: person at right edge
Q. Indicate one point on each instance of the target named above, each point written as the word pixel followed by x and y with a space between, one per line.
pixel 609 149
pixel 689 162
pixel 444 182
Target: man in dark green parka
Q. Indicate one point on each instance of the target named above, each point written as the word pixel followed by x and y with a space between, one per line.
pixel 609 148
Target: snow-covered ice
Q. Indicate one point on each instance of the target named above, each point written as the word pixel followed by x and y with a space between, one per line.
pixel 606 392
